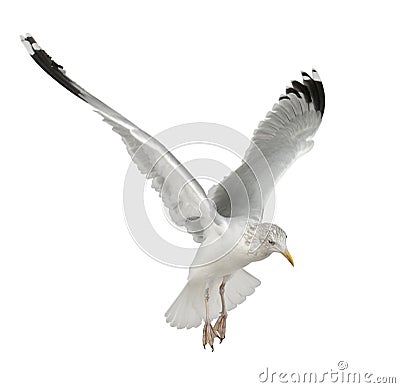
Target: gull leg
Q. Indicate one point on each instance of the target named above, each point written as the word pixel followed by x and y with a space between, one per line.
pixel 220 325
pixel 209 333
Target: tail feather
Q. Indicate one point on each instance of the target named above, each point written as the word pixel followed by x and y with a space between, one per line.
pixel 239 287
pixel 188 309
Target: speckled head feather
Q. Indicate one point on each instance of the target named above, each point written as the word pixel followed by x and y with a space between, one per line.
pixel 269 236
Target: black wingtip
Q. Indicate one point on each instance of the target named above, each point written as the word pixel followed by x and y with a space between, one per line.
pixel 316 76
pixel 293 91
pixel 283 97
pixel 52 68
pixel 320 90
pixel 312 90
pixel 302 89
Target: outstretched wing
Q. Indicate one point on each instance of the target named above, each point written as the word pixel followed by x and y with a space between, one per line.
pixel 181 193
pixel 283 136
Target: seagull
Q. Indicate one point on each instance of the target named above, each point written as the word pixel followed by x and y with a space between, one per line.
pixel 227 222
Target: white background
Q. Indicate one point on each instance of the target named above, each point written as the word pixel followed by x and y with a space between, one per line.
pixel 81 305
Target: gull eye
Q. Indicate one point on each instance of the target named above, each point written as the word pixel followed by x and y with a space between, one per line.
pixel 271 242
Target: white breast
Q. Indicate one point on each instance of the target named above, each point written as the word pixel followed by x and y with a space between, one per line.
pixel 226 254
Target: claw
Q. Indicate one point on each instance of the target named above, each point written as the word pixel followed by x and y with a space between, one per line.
pixel 220 326
pixel 209 335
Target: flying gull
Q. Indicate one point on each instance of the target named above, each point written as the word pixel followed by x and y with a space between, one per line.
pixel 226 223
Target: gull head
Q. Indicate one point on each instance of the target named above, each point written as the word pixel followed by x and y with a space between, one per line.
pixel 271 238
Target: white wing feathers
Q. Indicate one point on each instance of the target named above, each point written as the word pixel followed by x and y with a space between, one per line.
pixel 181 193
pixel 286 132
pixel 283 136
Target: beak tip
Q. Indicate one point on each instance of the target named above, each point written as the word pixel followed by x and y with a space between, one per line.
pixel 289 257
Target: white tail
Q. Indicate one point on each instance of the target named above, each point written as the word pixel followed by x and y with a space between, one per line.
pixel 188 310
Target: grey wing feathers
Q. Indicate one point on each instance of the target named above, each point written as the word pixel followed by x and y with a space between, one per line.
pixel 283 136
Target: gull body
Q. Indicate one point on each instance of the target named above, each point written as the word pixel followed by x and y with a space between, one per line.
pixel 221 259
pixel 227 222
pixel 232 251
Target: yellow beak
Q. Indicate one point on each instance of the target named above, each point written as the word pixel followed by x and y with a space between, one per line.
pixel 288 256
